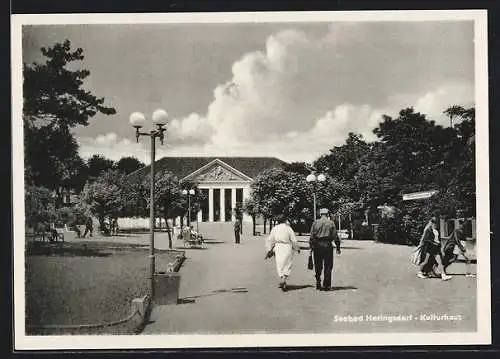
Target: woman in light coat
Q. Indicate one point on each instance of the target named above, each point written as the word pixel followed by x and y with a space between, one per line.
pixel 282 243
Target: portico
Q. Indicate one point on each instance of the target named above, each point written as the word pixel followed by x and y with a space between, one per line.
pixel 223 188
pixel 223 182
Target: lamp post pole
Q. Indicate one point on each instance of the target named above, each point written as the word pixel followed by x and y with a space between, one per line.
pixel 152 220
pixel 189 193
pixel 314 201
pixel 312 178
pixel 160 120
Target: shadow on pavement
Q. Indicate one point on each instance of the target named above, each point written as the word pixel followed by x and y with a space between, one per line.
pixel 347 287
pixel 192 299
pixel 214 242
pixel 190 248
pixel 290 287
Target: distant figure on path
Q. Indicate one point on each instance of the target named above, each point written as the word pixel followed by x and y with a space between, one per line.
pixel 237 231
pixel 88 227
pixel 323 233
pixel 114 226
pixel 283 243
pixel 430 251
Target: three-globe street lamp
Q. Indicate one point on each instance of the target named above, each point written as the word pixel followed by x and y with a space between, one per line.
pixel 189 193
pixel 312 178
pixel 137 120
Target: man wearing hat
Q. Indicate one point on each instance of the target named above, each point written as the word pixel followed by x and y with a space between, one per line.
pixel 323 233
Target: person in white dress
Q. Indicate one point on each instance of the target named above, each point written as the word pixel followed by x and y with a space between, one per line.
pixel 282 243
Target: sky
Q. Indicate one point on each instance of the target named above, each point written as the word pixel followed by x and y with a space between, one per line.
pixel 287 90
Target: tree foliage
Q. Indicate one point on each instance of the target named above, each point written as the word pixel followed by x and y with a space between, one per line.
pixel 97 165
pixel 411 153
pixel 103 197
pixel 54 102
pixel 128 165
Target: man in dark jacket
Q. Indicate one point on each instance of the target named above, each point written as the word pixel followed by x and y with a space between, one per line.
pixel 237 230
pixel 88 227
pixel 323 233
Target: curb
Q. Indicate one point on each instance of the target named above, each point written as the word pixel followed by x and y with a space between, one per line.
pixel 139 315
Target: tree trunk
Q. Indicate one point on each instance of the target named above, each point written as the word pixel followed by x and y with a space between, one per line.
pixel 168 232
pixel 253 224
pixel 265 224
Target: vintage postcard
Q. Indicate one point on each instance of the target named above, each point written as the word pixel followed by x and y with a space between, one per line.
pixel 267 179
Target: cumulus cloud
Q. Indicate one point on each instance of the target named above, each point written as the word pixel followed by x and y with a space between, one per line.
pixel 305 87
pixel 433 103
pixel 301 94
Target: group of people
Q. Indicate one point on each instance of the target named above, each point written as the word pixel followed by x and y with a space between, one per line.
pixel 111 227
pixel 432 253
pixel 282 244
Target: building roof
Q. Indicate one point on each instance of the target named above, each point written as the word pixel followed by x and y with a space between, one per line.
pixel 183 166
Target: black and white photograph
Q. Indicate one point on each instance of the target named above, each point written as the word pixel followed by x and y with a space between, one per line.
pixel 268 179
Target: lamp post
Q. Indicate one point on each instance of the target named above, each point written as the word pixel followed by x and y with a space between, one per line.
pixel 189 193
pixel 312 178
pixel 137 121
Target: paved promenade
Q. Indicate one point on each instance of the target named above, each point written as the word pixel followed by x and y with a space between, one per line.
pixel 229 288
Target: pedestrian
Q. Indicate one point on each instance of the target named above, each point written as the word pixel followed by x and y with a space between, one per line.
pixel 237 230
pixel 429 250
pixel 88 227
pixel 453 241
pixel 282 244
pixel 323 233
pixel 114 226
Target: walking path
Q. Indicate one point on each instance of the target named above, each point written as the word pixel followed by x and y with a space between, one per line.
pixel 229 288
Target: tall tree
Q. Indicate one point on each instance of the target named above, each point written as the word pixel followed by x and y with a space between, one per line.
pixel 342 162
pixel 104 197
pixel 97 165
pixel 128 165
pixel 54 101
pixel 299 167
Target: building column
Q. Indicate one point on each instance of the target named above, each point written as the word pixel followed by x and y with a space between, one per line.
pixel 222 205
pixel 199 216
pixel 210 204
pixel 233 203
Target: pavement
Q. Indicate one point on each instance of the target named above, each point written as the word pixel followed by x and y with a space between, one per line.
pixel 228 288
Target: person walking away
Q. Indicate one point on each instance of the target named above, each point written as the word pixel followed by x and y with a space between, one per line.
pixel 453 241
pixel 283 243
pixel 323 233
pixel 114 226
pixel 430 245
pixel 88 227
pixel 237 231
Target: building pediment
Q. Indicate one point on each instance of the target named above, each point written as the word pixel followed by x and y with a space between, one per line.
pixel 217 171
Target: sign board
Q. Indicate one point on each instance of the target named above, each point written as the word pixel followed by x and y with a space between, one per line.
pixel 418 195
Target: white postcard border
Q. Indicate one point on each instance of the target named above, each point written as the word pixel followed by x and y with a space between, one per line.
pixel 483 334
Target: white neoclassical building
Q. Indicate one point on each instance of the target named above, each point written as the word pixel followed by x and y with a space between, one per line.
pixel 224 181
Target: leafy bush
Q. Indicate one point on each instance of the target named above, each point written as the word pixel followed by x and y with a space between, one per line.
pixel 39 206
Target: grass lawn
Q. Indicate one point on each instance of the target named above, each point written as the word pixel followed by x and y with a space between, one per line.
pixel 85 282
